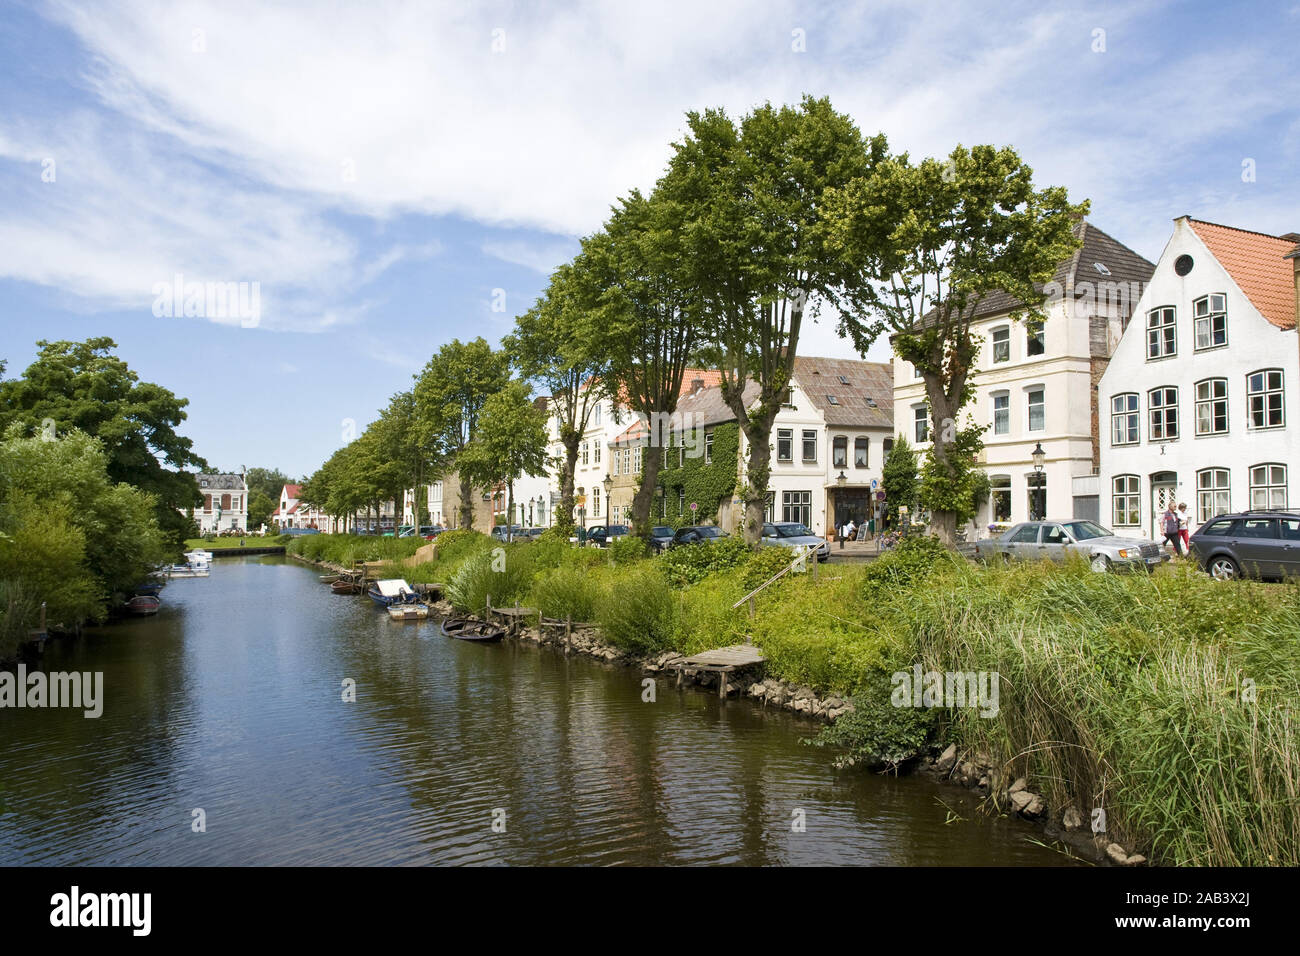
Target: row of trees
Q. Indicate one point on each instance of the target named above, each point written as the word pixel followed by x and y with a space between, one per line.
pixel 464 414
pixel 755 227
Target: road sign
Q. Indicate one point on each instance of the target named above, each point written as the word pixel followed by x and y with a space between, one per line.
pixel 873 484
pixel 695 506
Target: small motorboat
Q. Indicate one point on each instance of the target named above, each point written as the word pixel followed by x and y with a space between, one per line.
pixel 467 629
pixel 346 586
pixel 408 612
pixel 392 591
pixel 187 571
pixel 144 604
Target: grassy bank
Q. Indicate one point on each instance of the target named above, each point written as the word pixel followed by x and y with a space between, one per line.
pixel 1170 701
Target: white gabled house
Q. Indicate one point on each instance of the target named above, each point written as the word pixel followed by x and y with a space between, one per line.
pixel 1201 399
pixel 225 503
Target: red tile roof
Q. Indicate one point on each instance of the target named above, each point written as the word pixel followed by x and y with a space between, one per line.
pixel 294 491
pixel 1257 263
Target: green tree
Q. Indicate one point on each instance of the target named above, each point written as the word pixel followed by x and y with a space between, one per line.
pixel 932 240
pixel 449 396
pixel 69 534
pixel 760 263
pixel 899 479
pixel 643 325
pixel 260 508
pixel 510 441
pixel 552 346
pixel 266 481
pixel 84 386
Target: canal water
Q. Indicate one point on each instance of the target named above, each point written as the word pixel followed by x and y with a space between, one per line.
pixel 230 701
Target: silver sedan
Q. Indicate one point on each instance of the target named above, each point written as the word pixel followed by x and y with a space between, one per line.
pixel 792 534
pixel 1102 548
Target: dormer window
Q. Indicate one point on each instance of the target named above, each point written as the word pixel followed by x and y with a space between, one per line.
pixel 1210 318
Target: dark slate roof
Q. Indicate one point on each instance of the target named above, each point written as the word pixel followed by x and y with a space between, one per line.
pixel 867 401
pixel 705 408
pixel 221 482
pixel 1123 264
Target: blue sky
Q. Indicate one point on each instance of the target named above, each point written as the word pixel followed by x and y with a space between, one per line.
pixel 381 169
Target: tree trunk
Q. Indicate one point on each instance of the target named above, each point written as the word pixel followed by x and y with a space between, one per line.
pixel 644 497
pixel 565 517
pixel 758 473
pixel 943 410
pixel 466 503
pixel 510 509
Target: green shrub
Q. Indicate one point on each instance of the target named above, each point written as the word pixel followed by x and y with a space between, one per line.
pixel 639 613
pixel 912 560
pixel 566 592
pixel 693 563
pixel 705 618
pixel 627 549
pixel 765 563
pixel 456 544
pixel 485 575
pixel 876 733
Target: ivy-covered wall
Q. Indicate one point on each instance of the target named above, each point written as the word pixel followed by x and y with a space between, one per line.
pixel 708 485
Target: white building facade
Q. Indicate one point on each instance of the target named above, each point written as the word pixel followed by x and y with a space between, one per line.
pixel 1203 392
pixel 225 503
pixel 1034 386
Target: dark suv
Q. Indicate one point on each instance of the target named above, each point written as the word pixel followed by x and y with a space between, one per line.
pixel 1260 544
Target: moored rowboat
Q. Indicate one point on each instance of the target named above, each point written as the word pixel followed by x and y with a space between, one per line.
pixel 467 629
pixel 408 612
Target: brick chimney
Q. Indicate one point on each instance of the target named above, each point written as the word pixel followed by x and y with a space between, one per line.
pixel 696 385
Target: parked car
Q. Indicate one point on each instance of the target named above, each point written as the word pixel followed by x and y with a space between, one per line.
pixel 792 534
pixel 696 534
pixel 660 535
pixel 601 535
pixel 430 531
pixel 1260 544
pixel 406 531
pixel 501 533
pixel 1104 550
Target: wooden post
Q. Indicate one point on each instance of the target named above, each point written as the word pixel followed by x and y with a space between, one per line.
pixel 488 610
pixel 813 557
pixel 722 683
pixel 751 606
pixel 568 631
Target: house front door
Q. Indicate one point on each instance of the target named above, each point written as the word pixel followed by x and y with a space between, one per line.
pixel 1163 495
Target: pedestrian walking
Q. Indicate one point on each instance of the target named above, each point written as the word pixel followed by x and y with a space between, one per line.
pixel 1169 523
pixel 1185 527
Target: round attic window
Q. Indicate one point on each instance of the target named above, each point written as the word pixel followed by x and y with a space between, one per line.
pixel 1183 265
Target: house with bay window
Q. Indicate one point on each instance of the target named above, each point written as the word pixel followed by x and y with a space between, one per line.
pixel 1034 385
pixel 1202 393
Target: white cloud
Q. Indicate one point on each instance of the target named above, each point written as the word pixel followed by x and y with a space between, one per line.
pixel 541 257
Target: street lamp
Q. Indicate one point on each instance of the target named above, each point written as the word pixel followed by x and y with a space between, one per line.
pixel 1039 457
pixel 841 479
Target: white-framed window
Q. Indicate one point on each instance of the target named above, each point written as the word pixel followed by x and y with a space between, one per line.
pixel 785 444
pixel 595 502
pixel 1001 345
pixel 1212 493
pixel 1035 338
pixel 1264 398
pixel 1036 401
pixel 1000 497
pixel 1212 407
pixel 1162 408
pixel 681 502
pixel 708 448
pixel 585 452
pixel 1124 418
pixel 1268 486
pixel 921 423
pixel 1210 321
pixel 797 506
pixel 1161 340
pixel 596 415
pixel 809 445
pixel 636 460
pixel 1126 501
pixel 617 460
pixel 916 372
pixel 1001 413
pixel 595 452
pixel 840 452
pixel 861 446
